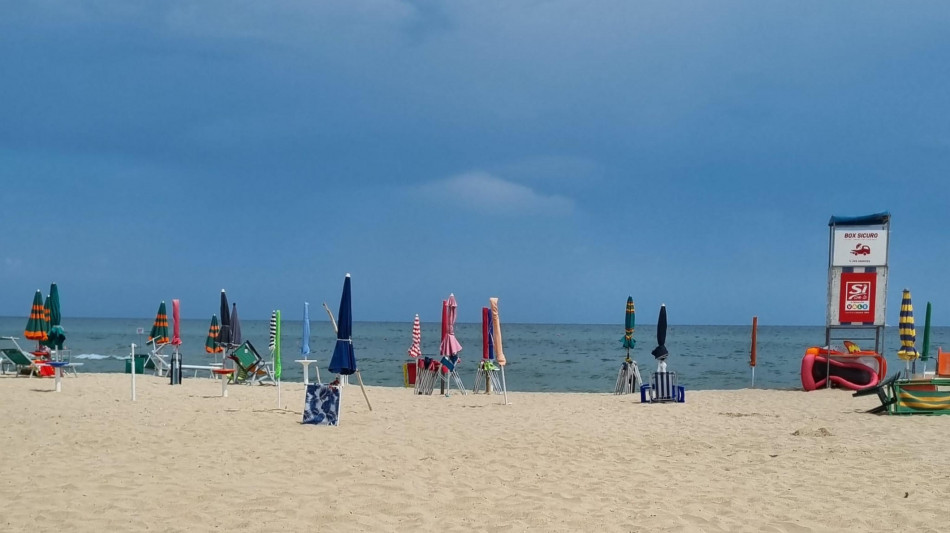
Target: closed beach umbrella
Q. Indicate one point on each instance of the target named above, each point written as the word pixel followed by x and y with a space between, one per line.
pixel 211 343
pixel 236 338
pixel 274 342
pixel 343 360
pixel 305 343
pixel 176 323
pixel 57 335
pixel 629 321
pixel 660 352
pixel 415 350
pixel 486 334
pixel 925 349
pixel 36 326
pixel 908 334
pixel 496 339
pixel 450 345
pixel 159 333
pixel 224 334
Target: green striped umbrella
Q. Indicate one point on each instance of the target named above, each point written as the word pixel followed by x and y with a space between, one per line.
pixel 630 319
pixel 211 343
pixel 36 326
pixel 159 333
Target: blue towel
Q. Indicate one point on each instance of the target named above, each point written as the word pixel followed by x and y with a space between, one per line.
pixel 322 405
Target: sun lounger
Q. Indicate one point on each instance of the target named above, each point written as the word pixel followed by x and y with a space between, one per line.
pixel 199 368
pixel 19 359
pixel 158 360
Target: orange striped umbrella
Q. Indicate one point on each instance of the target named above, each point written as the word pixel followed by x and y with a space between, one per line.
pixel 159 333
pixel 37 326
pixel 211 343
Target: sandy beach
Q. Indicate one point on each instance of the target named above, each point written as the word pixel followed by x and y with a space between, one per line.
pixel 182 458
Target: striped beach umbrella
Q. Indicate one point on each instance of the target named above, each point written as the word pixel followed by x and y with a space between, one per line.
pixel 211 343
pixel 630 319
pixel 159 333
pixel 908 333
pixel 415 350
pixel 36 327
pixel 925 349
pixel 274 341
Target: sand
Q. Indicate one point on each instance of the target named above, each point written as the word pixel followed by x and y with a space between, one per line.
pixel 182 458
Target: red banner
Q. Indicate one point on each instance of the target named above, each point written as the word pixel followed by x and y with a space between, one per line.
pixel 857 297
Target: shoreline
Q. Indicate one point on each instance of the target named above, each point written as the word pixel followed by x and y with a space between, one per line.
pixel 182 458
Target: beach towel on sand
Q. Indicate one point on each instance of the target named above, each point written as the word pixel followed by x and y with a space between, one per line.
pixel 322 405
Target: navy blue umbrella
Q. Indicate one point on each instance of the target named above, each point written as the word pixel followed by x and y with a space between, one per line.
pixel 660 352
pixel 224 334
pixel 344 360
pixel 236 338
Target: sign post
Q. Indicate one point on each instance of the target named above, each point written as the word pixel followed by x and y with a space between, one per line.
pixel 857 278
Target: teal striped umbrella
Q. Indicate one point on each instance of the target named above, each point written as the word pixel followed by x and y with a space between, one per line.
pixel 159 333
pixel 37 327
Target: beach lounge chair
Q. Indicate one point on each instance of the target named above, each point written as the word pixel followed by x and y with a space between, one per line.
pixel 14 356
pixel 158 360
pixel 663 389
pixel 450 374
pixel 885 393
pixel 251 367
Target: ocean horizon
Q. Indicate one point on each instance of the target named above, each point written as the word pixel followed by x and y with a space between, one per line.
pixel 541 357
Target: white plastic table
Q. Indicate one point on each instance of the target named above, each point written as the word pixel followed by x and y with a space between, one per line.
pixel 306 369
pixel 58 370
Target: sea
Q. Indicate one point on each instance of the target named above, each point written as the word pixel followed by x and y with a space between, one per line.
pixel 541 357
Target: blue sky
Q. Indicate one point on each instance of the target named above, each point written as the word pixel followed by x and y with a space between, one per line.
pixel 558 155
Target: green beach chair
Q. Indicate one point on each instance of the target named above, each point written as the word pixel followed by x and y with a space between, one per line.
pixel 14 356
pixel 251 367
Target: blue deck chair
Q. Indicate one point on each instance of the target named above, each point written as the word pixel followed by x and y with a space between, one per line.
pixel 663 389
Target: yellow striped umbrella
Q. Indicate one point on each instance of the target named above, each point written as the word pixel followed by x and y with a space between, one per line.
pixel 159 333
pixel 37 326
pixel 908 334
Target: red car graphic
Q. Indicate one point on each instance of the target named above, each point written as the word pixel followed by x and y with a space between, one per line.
pixel 861 249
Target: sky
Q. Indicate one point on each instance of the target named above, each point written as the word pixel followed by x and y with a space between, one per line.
pixel 558 155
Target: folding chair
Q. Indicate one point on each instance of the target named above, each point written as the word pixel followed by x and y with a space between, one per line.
pixel 487 377
pixel 19 359
pixel 450 374
pixel 251 366
pixel 628 378
pixel 663 389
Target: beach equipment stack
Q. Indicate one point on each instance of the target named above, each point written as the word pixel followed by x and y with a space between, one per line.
pixel 450 346
pixel 487 372
pixel 628 377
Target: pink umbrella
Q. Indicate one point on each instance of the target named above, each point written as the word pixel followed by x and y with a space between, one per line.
pixel 450 345
pixel 176 329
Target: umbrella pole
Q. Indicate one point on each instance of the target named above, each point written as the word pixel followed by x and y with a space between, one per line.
pixel 504 387
pixel 132 365
pixel 359 377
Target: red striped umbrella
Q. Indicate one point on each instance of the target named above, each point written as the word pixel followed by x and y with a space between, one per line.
pixel 416 349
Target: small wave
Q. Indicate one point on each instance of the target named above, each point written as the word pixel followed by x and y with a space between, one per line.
pixel 96 356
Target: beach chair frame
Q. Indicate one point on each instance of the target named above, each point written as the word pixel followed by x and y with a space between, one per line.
pixel 663 389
